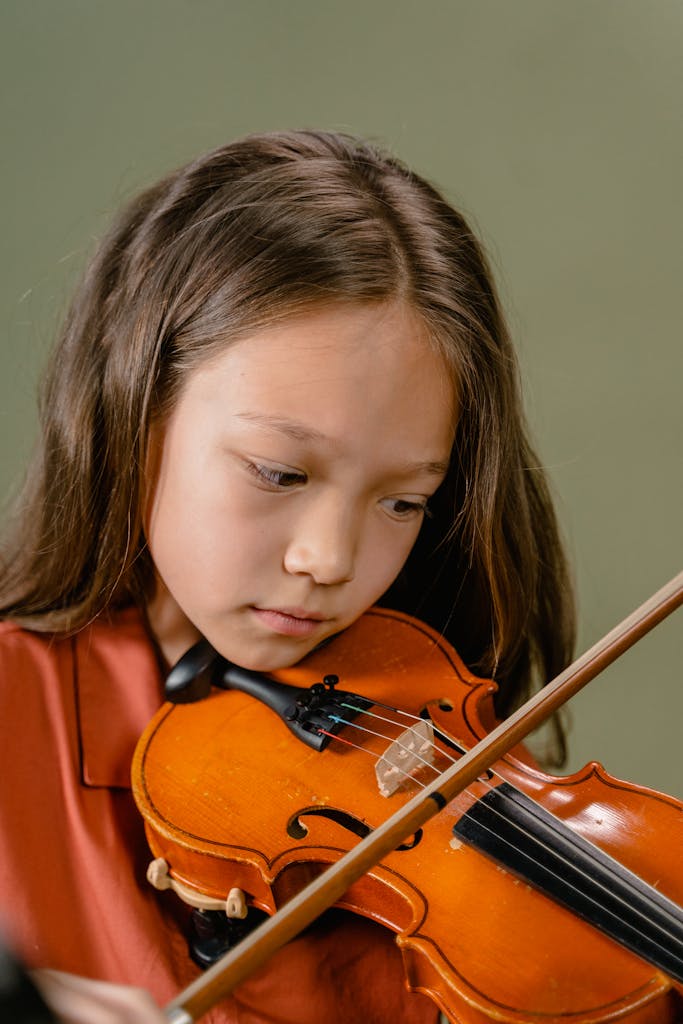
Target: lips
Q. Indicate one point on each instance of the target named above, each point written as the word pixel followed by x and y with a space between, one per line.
pixel 289 621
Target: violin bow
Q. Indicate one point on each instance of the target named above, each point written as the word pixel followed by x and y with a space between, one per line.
pixel 254 950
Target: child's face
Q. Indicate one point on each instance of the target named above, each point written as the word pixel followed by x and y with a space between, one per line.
pixel 289 481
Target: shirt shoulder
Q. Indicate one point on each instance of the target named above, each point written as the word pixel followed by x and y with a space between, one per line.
pixel 101 685
pixel 29 661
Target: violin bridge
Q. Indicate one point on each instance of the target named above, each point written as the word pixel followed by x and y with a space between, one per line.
pixel 412 750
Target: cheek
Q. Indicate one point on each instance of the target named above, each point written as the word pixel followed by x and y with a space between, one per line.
pixel 386 552
pixel 209 539
pixel 205 543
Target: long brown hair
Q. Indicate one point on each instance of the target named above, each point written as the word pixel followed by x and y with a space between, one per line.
pixel 242 237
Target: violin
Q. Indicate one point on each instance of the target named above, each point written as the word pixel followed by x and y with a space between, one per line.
pixel 514 895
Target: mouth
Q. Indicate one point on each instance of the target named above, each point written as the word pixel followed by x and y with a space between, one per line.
pixel 289 621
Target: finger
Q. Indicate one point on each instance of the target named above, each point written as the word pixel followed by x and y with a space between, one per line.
pixel 78 1000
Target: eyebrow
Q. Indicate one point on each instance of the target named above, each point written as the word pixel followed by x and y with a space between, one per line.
pixel 302 432
pixel 291 428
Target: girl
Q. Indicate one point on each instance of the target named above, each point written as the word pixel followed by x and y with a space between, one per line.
pixel 283 392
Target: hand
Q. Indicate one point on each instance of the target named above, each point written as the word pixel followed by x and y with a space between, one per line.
pixel 76 1000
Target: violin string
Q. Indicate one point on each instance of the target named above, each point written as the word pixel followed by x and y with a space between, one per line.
pixel 425 763
pixel 382 736
pixel 557 825
pixel 415 718
pixel 438 733
pixel 342 739
pixel 383 718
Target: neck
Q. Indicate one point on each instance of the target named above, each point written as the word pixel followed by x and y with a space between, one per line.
pixel 172 630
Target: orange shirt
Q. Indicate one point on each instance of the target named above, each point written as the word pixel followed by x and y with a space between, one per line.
pixel 73 856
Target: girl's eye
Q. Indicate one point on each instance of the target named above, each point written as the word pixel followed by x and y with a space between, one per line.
pixel 403 508
pixel 276 477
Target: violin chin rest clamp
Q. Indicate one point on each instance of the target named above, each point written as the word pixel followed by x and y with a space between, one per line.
pixel 234 905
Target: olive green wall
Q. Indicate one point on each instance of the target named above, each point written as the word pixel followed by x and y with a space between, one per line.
pixel 556 125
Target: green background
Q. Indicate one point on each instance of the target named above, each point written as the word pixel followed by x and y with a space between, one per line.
pixel 555 125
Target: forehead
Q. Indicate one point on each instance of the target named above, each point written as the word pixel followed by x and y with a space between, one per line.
pixel 340 370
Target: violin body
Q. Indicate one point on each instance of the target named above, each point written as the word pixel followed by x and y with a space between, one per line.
pixel 231 798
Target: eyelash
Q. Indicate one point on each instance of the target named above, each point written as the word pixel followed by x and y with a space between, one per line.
pixel 410 508
pixel 281 479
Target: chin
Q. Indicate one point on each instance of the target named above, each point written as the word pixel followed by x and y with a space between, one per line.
pixel 256 660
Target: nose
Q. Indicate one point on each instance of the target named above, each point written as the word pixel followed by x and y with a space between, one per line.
pixel 323 543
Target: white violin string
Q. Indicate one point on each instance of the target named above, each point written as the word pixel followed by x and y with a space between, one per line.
pixel 397 741
pixel 380 735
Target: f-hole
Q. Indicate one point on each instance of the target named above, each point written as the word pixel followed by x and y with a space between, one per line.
pixel 296 828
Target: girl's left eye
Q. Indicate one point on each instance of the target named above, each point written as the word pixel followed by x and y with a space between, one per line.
pixel 276 478
pixel 404 508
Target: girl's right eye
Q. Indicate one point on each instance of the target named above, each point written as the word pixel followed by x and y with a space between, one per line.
pixel 276 478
